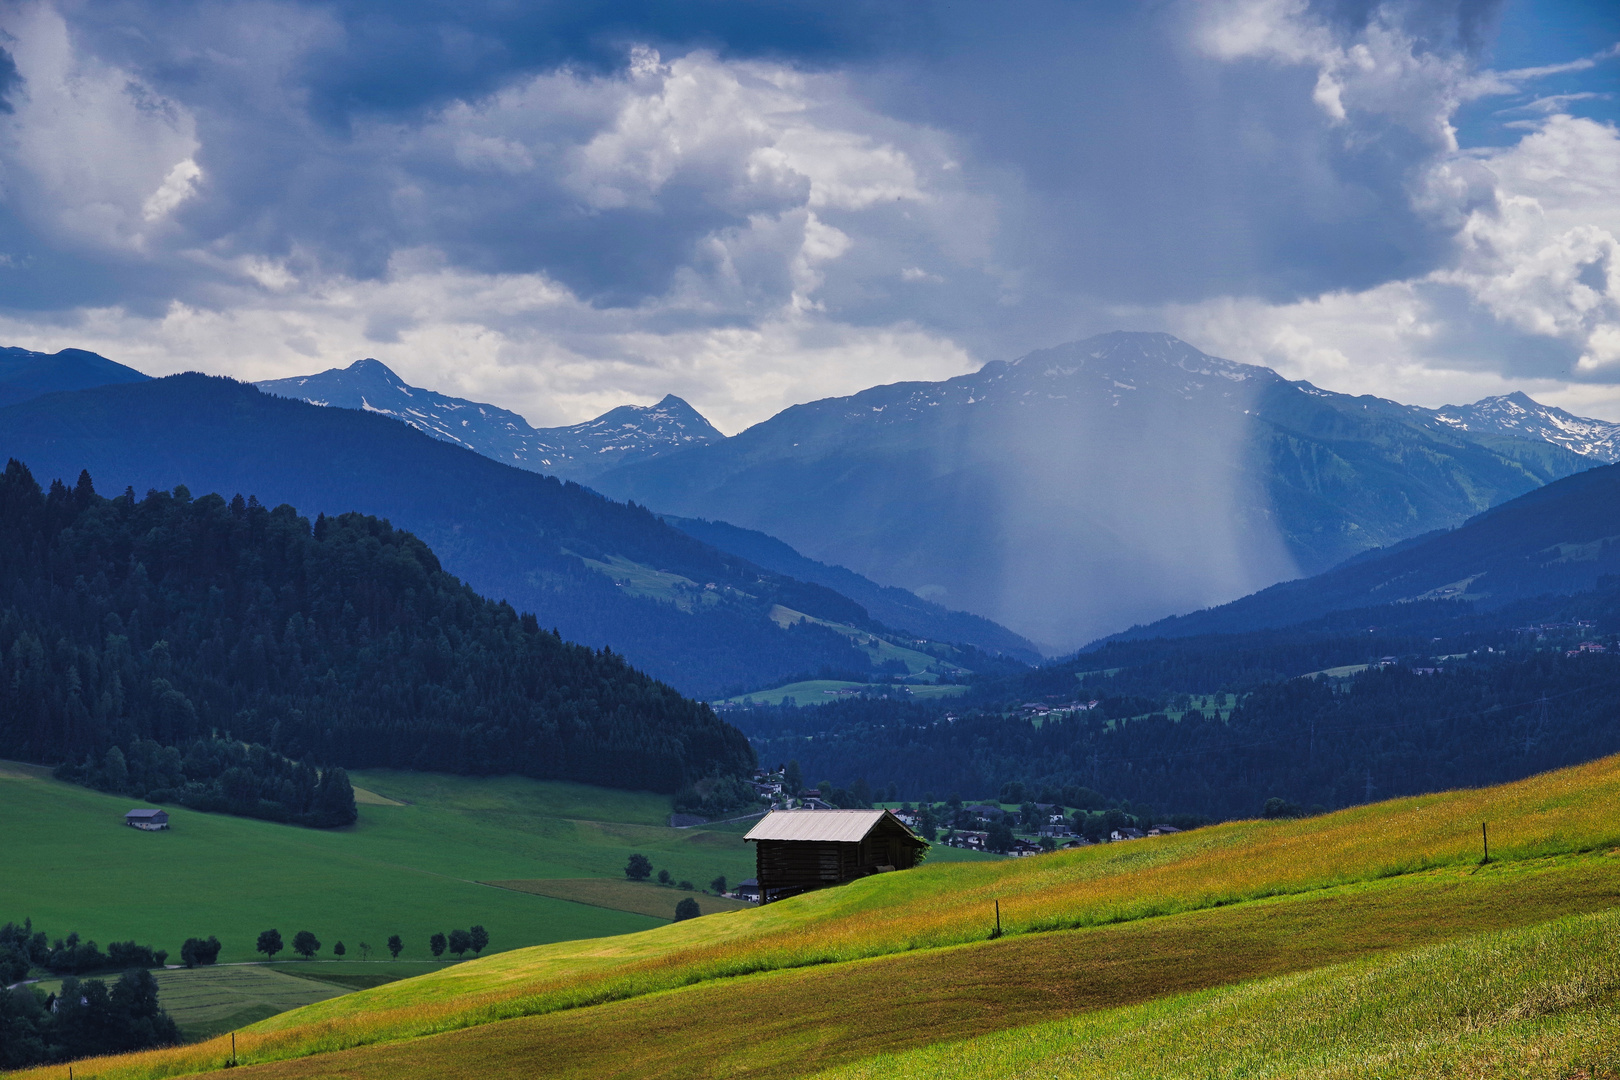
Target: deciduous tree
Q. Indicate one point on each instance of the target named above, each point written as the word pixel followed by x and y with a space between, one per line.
pixel 305 944
pixel 269 944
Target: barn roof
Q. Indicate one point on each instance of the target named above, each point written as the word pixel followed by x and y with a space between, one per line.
pixel 836 826
pixel 142 812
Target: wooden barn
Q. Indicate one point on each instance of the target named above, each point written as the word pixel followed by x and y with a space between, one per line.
pixel 146 819
pixel 799 850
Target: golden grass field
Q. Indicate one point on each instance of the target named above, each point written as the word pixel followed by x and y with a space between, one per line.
pixel 900 962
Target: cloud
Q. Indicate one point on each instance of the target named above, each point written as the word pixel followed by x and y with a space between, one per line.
pixel 1532 297
pixel 563 207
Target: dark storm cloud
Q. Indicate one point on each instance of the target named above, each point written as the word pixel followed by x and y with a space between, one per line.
pixel 1130 167
pixel 992 177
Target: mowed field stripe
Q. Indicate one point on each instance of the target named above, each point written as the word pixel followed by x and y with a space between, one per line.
pixel 638 897
pixel 798 1022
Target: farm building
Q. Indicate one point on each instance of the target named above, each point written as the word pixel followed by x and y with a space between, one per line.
pixel 799 850
pixel 150 820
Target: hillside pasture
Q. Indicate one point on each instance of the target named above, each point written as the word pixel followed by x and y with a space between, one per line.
pixel 1089 929
pixel 412 868
pixel 795 1022
pixel 1537 1002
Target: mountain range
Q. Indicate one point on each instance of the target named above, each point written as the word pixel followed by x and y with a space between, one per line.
pixel 1066 494
pixel 1084 488
pixel 602 572
pixel 629 432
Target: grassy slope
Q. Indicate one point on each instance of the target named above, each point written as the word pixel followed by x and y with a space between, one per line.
pixel 1395 875
pixel 1543 1001
pixel 410 869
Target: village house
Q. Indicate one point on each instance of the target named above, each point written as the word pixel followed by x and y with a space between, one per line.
pixel 147 820
pixel 1126 834
pixel 1162 830
pixel 799 850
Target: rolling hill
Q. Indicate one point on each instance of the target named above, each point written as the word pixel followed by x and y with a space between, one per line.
pixel 1201 930
pixel 25 374
pixel 579 452
pixel 1080 489
pixel 343 643
pixel 601 572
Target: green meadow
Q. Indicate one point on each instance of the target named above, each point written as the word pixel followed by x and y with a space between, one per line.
pixel 411 869
pixel 1369 942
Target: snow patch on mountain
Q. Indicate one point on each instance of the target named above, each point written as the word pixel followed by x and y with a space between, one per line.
pixel 1520 415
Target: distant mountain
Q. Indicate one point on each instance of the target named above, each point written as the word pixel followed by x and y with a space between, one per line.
pixel 604 573
pixel 1520 416
pixel 899 609
pixel 627 433
pixel 1561 538
pixel 25 374
pixel 1098 484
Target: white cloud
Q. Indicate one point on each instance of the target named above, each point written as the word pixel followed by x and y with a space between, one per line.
pixel 497 338
pixel 1538 258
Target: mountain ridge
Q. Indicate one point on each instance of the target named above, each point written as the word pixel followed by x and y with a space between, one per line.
pixel 605 573
pixel 576 452
pixel 25 374
pixel 1072 491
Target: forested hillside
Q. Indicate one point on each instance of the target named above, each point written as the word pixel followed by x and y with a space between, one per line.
pixel 604 573
pixel 142 638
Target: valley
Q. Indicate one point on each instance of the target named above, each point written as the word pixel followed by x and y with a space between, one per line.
pixel 794 541
pixel 1112 927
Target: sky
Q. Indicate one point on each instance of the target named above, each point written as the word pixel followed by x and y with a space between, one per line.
pixel 562 207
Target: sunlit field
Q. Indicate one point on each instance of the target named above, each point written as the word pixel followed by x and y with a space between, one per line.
pixel 1248 900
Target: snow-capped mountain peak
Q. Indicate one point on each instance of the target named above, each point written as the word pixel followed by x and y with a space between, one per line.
pixel 1520 415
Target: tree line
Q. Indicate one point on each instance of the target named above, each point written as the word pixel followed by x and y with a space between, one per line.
pixel 458 943
pixel 222 775
pixel 86 1017
pixel 178 623
pixel 1486 697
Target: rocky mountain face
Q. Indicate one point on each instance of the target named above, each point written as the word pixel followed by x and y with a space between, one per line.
pixel 627 433
pixel 1084 488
